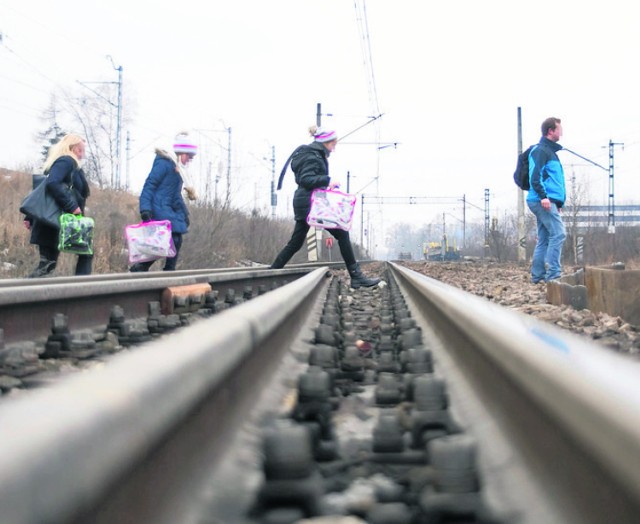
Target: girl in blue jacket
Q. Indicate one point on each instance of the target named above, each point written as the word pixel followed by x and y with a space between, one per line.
pixel 161 197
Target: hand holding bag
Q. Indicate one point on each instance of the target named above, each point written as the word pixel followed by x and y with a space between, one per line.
pixel 76 234
pixel 40 205
pixel 331 209
pixel 148 241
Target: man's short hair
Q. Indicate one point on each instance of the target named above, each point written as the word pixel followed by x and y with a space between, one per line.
pixel 549 124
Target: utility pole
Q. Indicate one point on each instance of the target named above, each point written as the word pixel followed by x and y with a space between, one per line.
pixel 207 185
pixel 274 196
pixel 611 219
pixel 118 124
pixel 218 177
pixel 115 173
pixel 443 243
pixel 312 240
pixel 220 166
pixel 128 158
pixel 486 221
pixel 229 165
pixel 464 222
pixel 362 218
pixel 522 241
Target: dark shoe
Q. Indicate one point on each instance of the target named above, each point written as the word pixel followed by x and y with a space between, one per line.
pixel 45 268
pixel 358 279
pixel 138 268
pixel 280 262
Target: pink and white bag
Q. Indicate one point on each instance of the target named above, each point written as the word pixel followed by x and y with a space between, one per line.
pixel 149 241
pixel 331 209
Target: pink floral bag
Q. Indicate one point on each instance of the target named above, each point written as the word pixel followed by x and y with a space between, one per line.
pixel 149 241
pixel 331 209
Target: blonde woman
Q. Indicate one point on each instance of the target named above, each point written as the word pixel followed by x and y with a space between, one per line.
pixel 67 184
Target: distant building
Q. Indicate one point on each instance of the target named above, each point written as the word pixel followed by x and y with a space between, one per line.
pixel 590 217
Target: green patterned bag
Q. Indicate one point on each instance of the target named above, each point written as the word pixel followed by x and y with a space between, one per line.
pixel 76 234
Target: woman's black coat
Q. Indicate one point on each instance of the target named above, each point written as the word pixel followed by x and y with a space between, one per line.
pixel 309 164
pixel 68 185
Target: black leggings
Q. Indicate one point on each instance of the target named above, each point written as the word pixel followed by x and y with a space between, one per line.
pixel 297 240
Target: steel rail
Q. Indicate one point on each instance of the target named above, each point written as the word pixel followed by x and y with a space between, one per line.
pixel 110 277
pixel 127 442
pixel 570 409
pixel 26 310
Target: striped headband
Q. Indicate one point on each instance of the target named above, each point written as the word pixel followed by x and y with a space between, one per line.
pixel 184 144
pixel 325 136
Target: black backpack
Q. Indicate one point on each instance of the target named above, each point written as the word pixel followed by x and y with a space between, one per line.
pixel 521 174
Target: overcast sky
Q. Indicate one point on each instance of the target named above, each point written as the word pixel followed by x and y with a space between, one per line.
pixel 447 77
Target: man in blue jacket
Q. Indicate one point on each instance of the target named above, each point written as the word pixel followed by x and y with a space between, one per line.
pixel 161 197
pixel 545 200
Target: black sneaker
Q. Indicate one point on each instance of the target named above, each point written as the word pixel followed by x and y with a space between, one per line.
pixel 43 269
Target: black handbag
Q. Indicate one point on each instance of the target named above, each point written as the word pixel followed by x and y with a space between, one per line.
pixel 40 205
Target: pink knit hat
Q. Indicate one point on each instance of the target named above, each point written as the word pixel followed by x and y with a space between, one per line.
pixel 325 135
pixel 184 144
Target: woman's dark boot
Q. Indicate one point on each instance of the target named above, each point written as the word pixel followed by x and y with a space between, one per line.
pixel 281 260
pixel 358 279
pixel 139 267
pixel 45 267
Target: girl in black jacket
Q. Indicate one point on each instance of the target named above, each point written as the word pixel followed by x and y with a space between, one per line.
pixel 67 184
pixel 311 168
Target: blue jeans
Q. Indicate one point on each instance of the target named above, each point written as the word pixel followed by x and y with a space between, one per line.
pixel 551 234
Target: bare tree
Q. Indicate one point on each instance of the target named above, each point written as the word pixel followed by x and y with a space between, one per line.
pixel 94 115
pixel 576 200
pixel 90 111
pixel 54 132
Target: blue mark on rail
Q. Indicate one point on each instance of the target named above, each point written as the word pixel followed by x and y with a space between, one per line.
pixel 551 340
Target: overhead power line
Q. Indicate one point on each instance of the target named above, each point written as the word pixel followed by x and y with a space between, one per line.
pixel 365 46
pixel 30 66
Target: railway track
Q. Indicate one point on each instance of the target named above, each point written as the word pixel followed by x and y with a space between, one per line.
pixel 414 402
pixel 28 305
